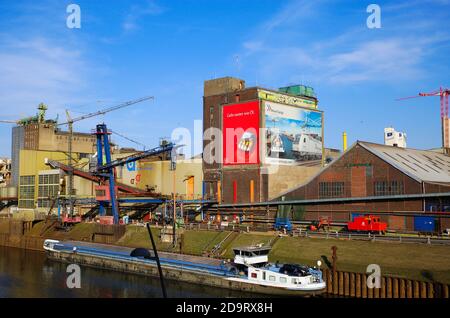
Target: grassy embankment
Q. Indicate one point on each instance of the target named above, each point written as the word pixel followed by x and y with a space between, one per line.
pixel 413 261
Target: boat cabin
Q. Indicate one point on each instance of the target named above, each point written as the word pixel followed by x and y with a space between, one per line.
pixel 253 255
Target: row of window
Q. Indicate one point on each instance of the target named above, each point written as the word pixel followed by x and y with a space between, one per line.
pixel 44 203
pixel 26 204
pixel 49 179
pixel 26 180
pixel 336 189
pixel 388 188
pixel 272 278
pixel 331 189
pixel 46 191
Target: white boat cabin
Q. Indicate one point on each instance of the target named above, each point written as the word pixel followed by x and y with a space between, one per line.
pixel 253 255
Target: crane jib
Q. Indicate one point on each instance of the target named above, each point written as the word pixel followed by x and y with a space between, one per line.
pixel 135 157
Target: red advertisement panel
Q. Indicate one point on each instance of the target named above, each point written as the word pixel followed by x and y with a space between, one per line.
pixel 240 133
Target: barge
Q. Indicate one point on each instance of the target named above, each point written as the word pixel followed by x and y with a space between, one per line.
pixel 249 272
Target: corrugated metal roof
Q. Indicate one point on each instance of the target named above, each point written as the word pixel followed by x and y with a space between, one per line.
pixel 421 165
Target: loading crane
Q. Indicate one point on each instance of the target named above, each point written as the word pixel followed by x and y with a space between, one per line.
pixel 443 93
pixel 104 173
pixel 108 193
pixel 70 122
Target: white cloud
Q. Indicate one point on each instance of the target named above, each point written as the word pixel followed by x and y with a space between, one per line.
pixel 37 70
pixel 345 55
pixel 139 11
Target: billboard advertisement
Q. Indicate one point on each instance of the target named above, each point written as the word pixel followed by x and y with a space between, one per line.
pixel 293 134
pixel 240 133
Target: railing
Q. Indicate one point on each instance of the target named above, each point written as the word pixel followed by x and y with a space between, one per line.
pixel 372 237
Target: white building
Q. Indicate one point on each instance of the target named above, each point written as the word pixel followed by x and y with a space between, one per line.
pixel 394 138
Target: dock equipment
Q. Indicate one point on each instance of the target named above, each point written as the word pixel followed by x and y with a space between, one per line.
pixel 70 122
pixel 105 175
pixel 106 170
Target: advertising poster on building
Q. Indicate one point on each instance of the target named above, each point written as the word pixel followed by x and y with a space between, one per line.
pixel 293 134
pixel 240 133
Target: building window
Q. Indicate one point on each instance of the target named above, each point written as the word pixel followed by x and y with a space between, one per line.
pixel 26 192
pixel 331 189
pixel 388 188
pixel 48 189
pixel 283 280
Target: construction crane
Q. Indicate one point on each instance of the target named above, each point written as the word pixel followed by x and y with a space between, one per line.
pixel 129 139
pixel 443 93
pixel 70 122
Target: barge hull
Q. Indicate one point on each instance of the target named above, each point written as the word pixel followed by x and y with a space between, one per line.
pixel 176 274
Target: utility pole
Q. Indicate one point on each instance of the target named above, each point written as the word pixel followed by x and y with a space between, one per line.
pixel 173 167
pixel 174 208
pixel 69 146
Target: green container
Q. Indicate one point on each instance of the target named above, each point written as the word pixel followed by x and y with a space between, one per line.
pixel 297 90
pixel 310 92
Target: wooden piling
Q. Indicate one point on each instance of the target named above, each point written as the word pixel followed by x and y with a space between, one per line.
pixel 388 287
pixel 370 291
pixel 329 282
pixel 402 288
pixel 383 287
pixel 423 290
pixel 364 286
pixel 335 283
pixel 445 291
pixel 341 283
pixel 352 284
pixel 409 289
pixel 346 284
pixel 416 289
pixel 430 291
pixel 395 287
pixel 358 285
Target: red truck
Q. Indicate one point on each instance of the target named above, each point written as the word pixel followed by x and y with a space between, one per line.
pixel 367 223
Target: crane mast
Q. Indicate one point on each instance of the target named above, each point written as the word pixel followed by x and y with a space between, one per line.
pixel 443 93
pixel 70 122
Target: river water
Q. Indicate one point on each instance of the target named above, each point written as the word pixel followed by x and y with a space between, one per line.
pixel 26 273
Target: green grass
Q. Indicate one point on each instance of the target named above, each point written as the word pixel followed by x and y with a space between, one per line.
pixel 137 236
pixel 197 242
pixel 412 261
pixel 245 239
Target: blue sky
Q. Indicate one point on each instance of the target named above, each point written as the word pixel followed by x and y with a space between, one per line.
pixel 128 49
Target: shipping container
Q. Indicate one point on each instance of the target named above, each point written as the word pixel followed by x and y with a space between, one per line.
pixel 424 224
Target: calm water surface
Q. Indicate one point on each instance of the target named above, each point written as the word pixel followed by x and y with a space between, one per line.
pixel 30 274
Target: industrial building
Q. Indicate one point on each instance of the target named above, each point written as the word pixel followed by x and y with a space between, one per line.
pixel 155 176
pixel 37 141
pixel 259 142
pixel 400 184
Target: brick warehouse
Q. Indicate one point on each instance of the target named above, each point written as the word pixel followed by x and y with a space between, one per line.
pixel 370 171
pixel 239 182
